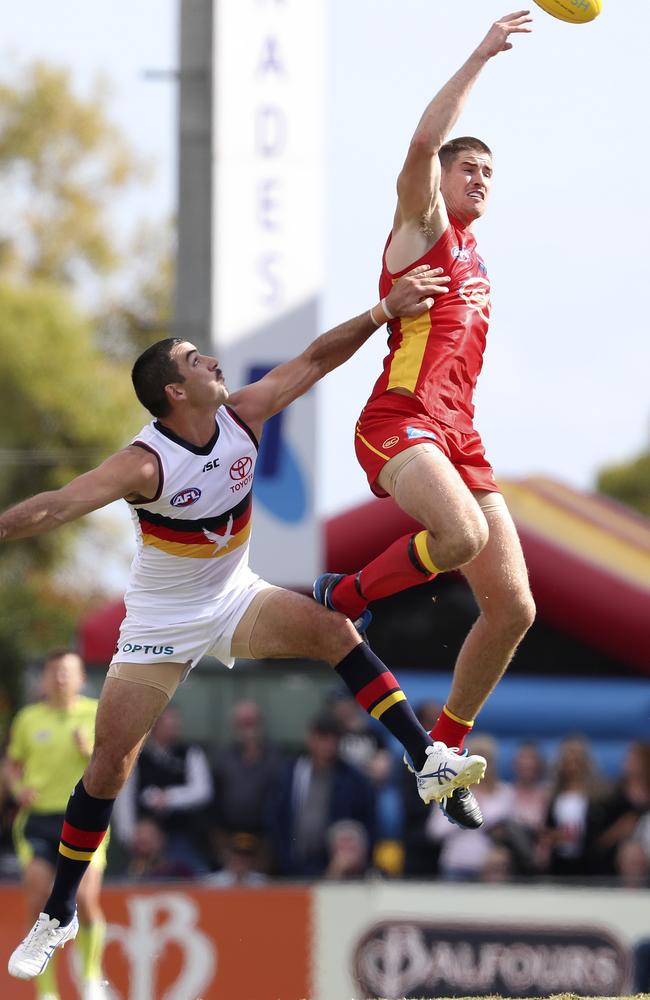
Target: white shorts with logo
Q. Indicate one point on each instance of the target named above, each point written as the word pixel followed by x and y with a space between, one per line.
pixel 188 641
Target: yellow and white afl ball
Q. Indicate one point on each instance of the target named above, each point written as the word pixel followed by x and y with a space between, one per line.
pixel 574 11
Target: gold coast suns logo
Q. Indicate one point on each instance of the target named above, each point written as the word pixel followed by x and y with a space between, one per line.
pixel 476 293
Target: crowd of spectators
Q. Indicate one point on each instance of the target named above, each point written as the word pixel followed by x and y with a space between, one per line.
pixel 346 808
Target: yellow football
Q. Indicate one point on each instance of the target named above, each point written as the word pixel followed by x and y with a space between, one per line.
pixel 574 11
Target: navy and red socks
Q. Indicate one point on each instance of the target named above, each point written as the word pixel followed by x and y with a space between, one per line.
pixel 378 692
pixel 84 828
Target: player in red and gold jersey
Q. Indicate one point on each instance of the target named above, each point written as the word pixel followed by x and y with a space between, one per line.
pixel 415 438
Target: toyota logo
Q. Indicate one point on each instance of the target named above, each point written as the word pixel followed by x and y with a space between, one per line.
pixel 241 468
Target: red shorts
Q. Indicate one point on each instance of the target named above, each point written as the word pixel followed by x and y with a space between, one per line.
pixel 393 422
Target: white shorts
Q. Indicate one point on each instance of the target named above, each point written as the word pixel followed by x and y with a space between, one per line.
pixel 188 641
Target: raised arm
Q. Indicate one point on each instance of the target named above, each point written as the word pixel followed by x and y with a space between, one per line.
pixel 411 295
pixel 132 472
pixel 418 185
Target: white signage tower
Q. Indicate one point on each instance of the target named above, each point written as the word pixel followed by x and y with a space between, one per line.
pixel 267 247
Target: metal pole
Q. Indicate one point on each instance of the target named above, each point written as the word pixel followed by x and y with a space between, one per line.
pixel 193 300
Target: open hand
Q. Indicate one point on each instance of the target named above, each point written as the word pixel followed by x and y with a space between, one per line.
pixel 498 37
pixel 415 292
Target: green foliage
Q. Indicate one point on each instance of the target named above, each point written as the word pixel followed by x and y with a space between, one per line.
pixel 64 405
pixel 629 482
pixel 61 165
pixel 143 313
pixel 33 618
pixel 66 400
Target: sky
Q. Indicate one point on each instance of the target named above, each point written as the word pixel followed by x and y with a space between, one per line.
pixel 564 388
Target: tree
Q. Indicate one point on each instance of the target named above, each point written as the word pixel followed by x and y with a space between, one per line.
pixel 629 482
pixel 62 163
pixel 66 337
pixel 64 404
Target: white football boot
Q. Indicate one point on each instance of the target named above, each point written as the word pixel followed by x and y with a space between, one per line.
pixel 34 952
pixel 445 770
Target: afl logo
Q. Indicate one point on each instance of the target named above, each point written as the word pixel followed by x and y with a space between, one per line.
pixel 390 442
pixel 241 468
pixel 186 497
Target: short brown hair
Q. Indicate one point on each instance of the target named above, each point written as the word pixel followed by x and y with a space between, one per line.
pixel 464 144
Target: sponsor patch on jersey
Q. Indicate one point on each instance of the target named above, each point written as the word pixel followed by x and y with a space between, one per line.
pixel 418 432
pixel 390 442
pixel 461 253
pixel 241 468
pixel 186 497
pixel 150 650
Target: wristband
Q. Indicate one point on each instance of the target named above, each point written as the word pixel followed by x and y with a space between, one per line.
pixel 389 314
pixel 372 317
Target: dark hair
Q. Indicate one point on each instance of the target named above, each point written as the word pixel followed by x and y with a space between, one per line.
pixel 464 144
pixel 325 724
pixel 59 653
pixel 152 371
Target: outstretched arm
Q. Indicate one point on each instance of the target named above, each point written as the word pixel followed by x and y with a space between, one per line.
pixel 410 296
pixel 418 185
pixel 131 472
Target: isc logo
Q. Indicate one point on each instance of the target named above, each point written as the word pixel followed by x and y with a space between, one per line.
pixel 214 464
pixel 185 498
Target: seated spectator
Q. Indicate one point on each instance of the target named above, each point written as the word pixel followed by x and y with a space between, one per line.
pixel 149 857
pixel 621 810
pixel 172 784
pixel 632 866
pixel 420 853
pixel 642 834
pixel 240 855
pixel 498 865
pixel 566 843
pixel 245 773
pixel 463 853
pixel 531 790
pixel 364 746
pixel 347 845
pixel 314 792
pixel 361 744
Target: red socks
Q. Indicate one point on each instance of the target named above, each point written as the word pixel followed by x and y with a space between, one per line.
pixel 450 729
pixel 406 563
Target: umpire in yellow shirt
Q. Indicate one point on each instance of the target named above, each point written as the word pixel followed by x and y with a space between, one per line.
pixel 50 744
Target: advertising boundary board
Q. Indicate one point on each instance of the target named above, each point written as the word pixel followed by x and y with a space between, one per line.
pixel 267 226
pixel 185 942
pixel 188 941
pixel 398 939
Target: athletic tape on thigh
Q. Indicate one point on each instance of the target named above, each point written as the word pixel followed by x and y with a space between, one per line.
pixel 240 642
pixel 390 473
pixel 164 677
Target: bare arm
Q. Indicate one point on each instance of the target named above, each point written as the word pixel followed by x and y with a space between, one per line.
pixel 410 296
pixel 418 185
pixel 129 473
pixel 14 770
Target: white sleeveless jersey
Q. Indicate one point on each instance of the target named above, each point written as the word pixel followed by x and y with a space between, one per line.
pixel 193 538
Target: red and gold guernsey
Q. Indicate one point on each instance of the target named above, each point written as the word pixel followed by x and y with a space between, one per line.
pixel 438 356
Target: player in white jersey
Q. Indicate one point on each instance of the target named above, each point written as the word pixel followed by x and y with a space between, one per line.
pixel 190 581
pixel 191 590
